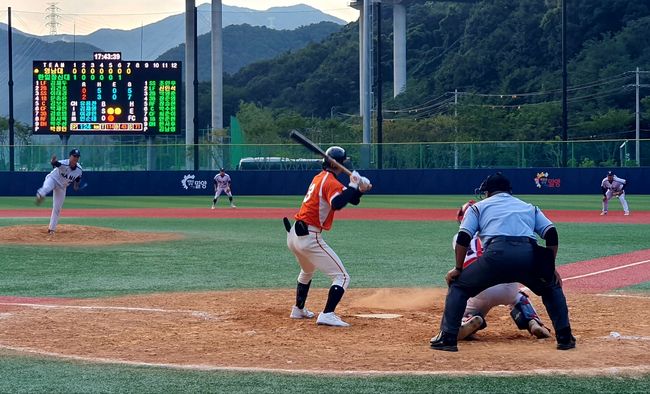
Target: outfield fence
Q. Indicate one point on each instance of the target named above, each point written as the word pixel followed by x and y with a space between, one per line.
pixel 147 156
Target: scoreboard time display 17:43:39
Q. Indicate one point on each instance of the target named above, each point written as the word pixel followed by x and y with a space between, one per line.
pixel 106 97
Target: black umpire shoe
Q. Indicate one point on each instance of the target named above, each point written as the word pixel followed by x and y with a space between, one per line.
pixel 565 340
pixel 444 341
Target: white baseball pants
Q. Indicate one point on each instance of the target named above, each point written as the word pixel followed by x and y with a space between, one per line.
pixel 502 294
pixel 312 253
pixel 222 190
pixel 58 196
pixel 608 195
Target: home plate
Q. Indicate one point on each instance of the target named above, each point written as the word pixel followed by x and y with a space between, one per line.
pixel 379 315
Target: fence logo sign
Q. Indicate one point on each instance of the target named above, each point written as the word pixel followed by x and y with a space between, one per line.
pixel 190 183
pixel 542 180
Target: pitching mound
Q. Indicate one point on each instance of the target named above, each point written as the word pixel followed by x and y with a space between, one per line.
pixel 252 330
pixel 72 234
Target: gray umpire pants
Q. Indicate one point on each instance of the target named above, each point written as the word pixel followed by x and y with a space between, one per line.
pixel 504 260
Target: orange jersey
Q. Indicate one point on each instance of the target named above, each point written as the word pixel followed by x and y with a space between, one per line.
pixel 316 208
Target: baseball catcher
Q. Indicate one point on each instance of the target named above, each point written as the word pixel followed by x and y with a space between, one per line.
pixel 521 310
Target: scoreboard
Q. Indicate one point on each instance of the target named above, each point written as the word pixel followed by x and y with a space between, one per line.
pixel 111 96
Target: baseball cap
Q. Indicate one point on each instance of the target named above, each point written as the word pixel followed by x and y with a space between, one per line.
pixel 222 169
pixel 610 173
pixel 75 152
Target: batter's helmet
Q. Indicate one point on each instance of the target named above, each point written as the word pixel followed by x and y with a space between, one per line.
pixel 337 153
pixel 463 209
pixel 495 183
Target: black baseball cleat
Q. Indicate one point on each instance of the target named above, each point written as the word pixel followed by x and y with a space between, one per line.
pixel 445 342
pixel 566 343
pixel 565 340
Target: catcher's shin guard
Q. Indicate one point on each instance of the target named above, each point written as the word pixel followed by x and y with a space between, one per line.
pixel 523 313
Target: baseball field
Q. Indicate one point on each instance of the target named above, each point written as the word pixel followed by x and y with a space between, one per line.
pixel 163 294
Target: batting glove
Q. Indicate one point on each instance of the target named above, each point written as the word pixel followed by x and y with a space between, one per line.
pixel 364 184
pixel 355 178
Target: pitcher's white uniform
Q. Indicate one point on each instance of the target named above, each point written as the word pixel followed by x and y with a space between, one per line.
pixel 57 182
pixel 613 186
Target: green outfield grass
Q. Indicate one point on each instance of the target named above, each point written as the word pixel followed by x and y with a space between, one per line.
pixel 38 375
pixel 577 202
pixel 219 254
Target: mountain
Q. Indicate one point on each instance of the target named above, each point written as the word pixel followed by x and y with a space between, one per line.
pixel 25 50
pixel 245 44
pixel 242 45
pixel 150 41
pixel 487 46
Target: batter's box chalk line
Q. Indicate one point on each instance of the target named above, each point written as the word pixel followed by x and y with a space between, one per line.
pixel 614 335
pixel 378 315
pixel 93 308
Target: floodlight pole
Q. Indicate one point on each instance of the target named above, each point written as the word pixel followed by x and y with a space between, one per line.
pixel 11 92
pixel 564 87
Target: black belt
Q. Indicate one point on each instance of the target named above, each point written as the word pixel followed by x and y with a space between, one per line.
pixel 509 238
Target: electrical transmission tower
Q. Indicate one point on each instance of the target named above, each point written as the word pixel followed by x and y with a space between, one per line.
pixel 52 17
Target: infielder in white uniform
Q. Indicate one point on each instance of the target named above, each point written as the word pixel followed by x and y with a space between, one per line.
pixel 521 310
pixel 64 173
pixel 222 185
pixel 613 186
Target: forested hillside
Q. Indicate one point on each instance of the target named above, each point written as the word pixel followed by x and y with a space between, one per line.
pixel 502 56
pixel 245 44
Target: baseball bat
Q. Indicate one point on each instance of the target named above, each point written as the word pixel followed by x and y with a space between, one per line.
pixel 309 144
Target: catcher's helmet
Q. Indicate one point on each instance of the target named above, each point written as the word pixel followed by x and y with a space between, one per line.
pixel 495 183
pixel 463 209
pixel 337 153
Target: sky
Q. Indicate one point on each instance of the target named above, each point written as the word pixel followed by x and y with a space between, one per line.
pixel 86 16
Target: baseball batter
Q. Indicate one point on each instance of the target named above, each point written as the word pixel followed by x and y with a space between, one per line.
pixel 613 186
pixel 324 196
pixel 63 174
pixel 521 310
pixel 222 185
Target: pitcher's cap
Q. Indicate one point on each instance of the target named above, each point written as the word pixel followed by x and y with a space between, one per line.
pixel 75 152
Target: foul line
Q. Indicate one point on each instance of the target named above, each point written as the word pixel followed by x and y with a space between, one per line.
pixel 637 369
pixel 201 314
pixel 607 270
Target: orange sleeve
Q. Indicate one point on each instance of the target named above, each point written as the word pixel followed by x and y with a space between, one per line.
pixel 331 188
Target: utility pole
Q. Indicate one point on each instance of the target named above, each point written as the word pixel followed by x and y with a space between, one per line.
pixel 380 115
pixel 638 150
pixel 455 128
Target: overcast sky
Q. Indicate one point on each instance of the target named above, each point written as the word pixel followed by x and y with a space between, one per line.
pixel 89 15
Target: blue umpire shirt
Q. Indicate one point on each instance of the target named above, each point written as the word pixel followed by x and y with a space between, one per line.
pixel 504 215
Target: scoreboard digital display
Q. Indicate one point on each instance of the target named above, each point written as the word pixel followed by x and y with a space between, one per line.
pixel 106 97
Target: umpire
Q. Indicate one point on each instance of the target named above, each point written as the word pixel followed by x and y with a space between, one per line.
pixel 506 227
